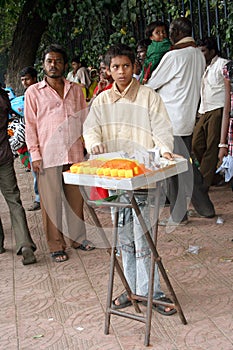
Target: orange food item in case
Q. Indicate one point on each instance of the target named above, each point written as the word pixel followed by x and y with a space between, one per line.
pixel 117 167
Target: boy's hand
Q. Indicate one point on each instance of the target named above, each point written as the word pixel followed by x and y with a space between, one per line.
pixel 101 148
pixel 171 156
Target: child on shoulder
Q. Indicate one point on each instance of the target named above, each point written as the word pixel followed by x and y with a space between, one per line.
pixel 157 32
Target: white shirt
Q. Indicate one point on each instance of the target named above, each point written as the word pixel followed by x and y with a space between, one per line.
pixel 72 77
pixel 212 86
pixel 81 77
pixel 178 81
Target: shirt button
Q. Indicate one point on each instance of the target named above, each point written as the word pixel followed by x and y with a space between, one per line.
pixel 60 128
pixel 57 104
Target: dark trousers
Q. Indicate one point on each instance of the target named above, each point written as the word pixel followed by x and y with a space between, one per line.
pixel 11 193
pixel 206 136
pixel 187 185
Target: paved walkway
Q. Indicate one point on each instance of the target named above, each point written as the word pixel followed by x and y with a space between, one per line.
pixel 61 306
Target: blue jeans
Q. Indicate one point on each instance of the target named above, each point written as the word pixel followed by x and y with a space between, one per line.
pixel 35 184
pixel 136 254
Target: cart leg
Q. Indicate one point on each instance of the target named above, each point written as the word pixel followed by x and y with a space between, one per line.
pixel 111 273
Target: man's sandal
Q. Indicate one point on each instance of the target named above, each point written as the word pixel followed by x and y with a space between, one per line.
pixel 59 256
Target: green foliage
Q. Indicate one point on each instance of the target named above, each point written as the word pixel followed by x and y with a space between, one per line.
pixel 89 27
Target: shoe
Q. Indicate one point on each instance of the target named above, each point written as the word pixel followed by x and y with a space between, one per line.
pixel 192 213
pixel 59 256
pixel 2 250
pixel 168 222
pixel 35 206
pixel 28 256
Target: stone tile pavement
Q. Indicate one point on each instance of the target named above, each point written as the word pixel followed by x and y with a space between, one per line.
pixel 62 306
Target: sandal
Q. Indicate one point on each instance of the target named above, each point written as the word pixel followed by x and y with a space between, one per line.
pixel 162 309
pixel 86 245
pixel 123 300
pixel 59 256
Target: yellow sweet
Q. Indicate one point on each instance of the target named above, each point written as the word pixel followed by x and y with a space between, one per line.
pixel 73 169
pixel 114 172
pixel 121 172
pixel 80 170
pixel 100 171
pixel 106 171
pixel 129 173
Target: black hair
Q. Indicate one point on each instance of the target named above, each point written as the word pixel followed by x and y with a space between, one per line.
pixel 210 43
pixel 143 43
pixel 76 59
pixel 28 70
pixel 151 27
pixel 118 50
pixel 55 48
pixel 182 25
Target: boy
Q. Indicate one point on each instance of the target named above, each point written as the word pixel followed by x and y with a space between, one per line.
pixel 130 116
pixel 157 32
pixel 28 76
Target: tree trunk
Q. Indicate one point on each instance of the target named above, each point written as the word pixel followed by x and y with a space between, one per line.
pixel 26 40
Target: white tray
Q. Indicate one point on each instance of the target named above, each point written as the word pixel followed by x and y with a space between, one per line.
pixel 180 165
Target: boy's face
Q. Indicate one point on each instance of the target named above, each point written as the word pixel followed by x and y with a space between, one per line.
pixel 159 34
pixel 121 70
pixel 27 80
pixel 141 53
pixel 75 66
pixel 104 72
pixel 209 54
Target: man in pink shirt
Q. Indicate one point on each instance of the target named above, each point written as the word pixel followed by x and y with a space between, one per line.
pixel 55 110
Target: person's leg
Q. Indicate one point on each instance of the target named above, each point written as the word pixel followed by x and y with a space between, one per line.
pixel 200 198
pixel 2 249
pixel 35 186
pixel 11 193
pixel 199 138
pixel 36 203
pixel 208 165
pixel 73 203
pixel 180 186
pixel 143 252
pixel 126 242
pixel 50 187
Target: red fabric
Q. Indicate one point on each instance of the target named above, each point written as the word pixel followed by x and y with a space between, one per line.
pixel 98 193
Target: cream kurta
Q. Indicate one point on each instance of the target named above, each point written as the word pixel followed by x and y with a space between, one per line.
pixel 135 119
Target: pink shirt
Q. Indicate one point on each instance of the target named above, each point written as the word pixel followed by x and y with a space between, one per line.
pixel 54 125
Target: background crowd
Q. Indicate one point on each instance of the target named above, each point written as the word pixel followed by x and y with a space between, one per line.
pixel 185 91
